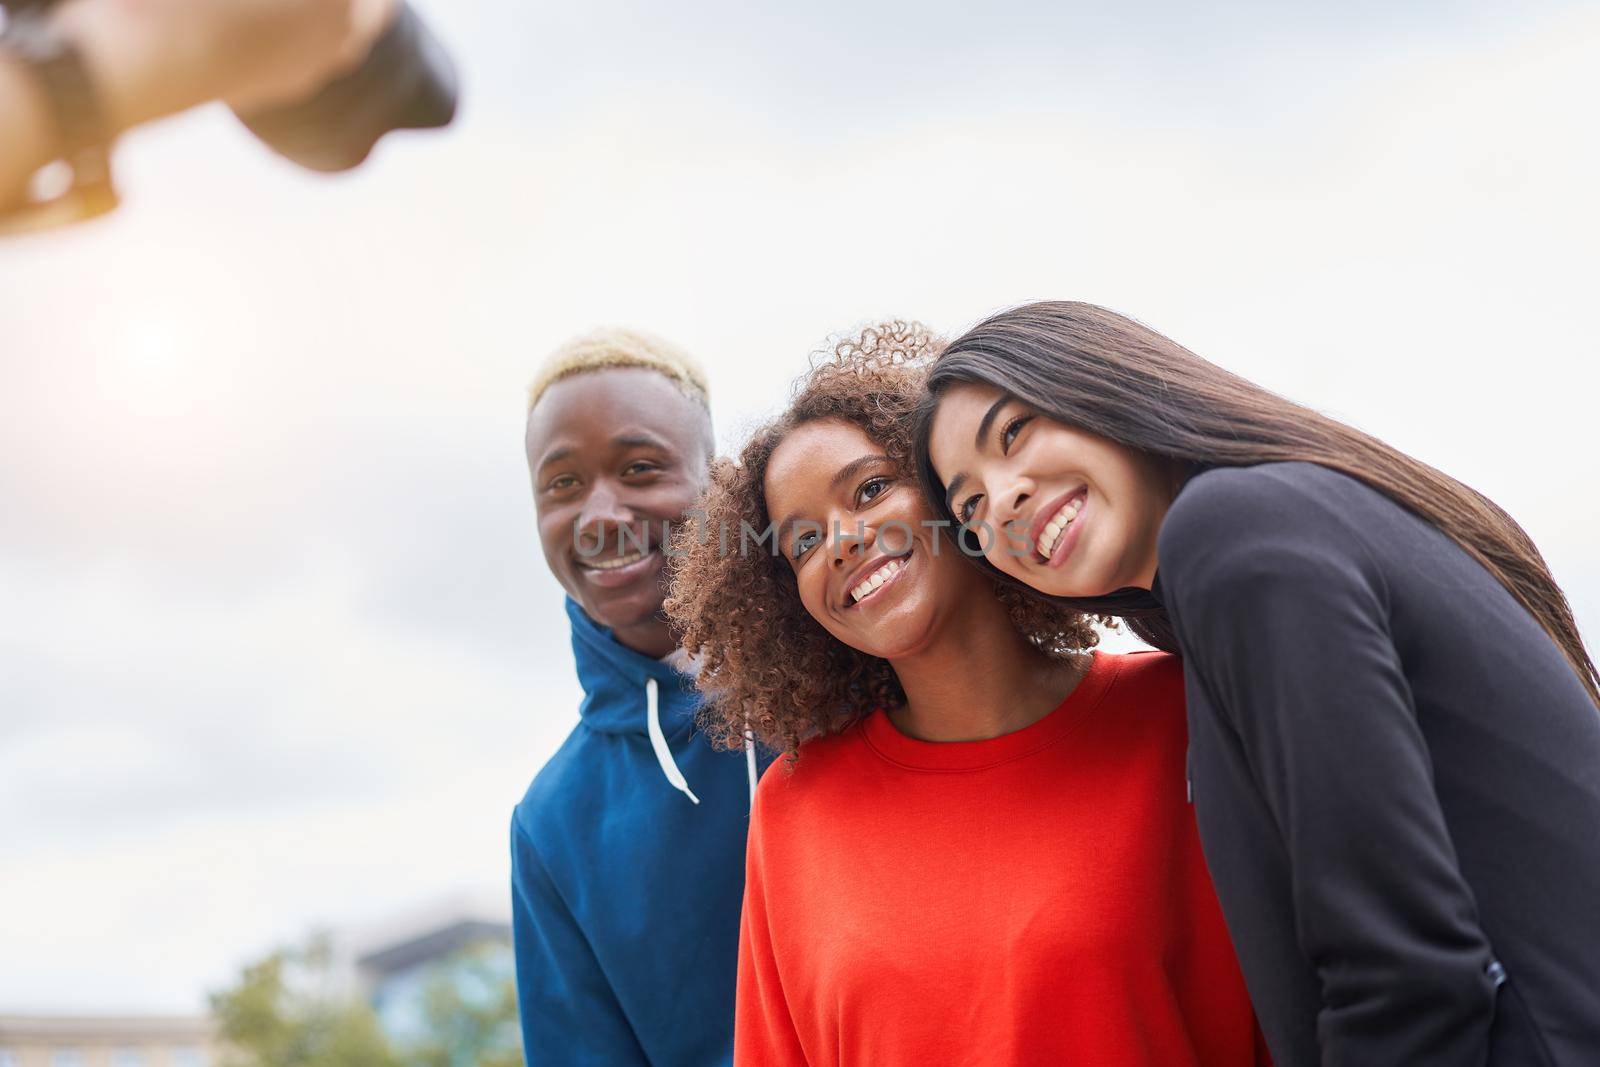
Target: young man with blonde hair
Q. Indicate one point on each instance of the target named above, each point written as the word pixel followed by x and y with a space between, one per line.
pixel 628 850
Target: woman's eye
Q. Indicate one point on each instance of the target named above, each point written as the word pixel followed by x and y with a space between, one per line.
pixel 871 489
pixel 1009 432
pixel 969 507
pixel 805 542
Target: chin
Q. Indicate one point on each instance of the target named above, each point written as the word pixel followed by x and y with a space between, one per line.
pixel 641 608
pixel 624 610
pixel 1087 590
pixel 1066 588
pixel 896 639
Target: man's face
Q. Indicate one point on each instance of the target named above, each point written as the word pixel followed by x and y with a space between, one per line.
pixel 616 456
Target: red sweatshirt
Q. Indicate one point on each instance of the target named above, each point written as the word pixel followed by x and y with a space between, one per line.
pixel 1038 898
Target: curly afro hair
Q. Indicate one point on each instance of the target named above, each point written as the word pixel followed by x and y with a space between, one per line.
pixel 765 664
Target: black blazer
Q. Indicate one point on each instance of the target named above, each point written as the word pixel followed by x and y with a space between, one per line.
pixel 1396 776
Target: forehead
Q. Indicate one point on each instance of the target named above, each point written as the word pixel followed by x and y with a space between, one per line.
pixel 588 407
pixel 956 419
pixel 805 462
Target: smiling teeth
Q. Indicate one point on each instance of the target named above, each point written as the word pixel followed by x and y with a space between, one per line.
pixel 1054 528
pixel 620 561
pixel 876 578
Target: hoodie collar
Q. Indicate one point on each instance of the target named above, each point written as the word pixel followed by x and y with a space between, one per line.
pixel 614 681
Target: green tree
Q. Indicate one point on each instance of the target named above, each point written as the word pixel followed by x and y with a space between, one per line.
pixel 469 1008
pixel 288 1011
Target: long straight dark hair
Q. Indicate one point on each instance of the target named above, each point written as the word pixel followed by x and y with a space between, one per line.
pixel 1101 372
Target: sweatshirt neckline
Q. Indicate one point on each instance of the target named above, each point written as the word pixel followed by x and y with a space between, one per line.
pixel 883 737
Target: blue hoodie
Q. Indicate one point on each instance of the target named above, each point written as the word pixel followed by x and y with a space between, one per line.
pixel 627 873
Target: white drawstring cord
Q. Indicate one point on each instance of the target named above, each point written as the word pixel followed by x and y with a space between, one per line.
pixel 750 763
pixel 658 741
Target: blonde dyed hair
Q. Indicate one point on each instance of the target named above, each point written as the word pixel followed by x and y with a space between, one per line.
pixel 611 347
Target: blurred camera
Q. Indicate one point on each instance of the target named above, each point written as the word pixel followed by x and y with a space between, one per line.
pixel 406 82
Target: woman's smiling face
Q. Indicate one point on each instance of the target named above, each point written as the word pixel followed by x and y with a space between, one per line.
pixel 1069 513
pixel 868 561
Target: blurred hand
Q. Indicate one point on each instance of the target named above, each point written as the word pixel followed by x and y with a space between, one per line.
pixel 151 58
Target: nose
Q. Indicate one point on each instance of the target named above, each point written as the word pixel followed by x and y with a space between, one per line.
pixel 847 543
pixel 602 513
pixel 1012 492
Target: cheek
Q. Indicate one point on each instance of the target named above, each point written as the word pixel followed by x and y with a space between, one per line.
pixel 811 585
pixel 1006 557
pixel 949 574
pixel 555 527
pixel 1137 492
pixel 670 497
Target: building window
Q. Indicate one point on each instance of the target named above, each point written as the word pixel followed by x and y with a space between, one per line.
pixel 66 1057
pixel 190 1057
pixel 127 1057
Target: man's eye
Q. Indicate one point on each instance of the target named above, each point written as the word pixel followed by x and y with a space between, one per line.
pixel 640 467
pixel 969 507
pixel 561 482
pixel 871 489
pixel 1009 432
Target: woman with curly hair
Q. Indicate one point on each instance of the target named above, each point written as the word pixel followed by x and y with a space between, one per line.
pixel 1396 752
pixel 979 850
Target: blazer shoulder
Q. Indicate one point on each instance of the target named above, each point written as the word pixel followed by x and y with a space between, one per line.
pixel 1216 506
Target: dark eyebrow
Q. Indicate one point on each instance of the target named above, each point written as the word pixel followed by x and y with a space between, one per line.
pixel 955 487
pixel 630 439
pixel 987 421
pixel 855 467
pixel 564 452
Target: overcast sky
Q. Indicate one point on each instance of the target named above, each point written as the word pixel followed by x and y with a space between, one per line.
pixel 277 645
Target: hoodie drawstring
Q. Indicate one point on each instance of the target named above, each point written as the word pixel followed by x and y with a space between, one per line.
pixel 658 741
pixel 750 764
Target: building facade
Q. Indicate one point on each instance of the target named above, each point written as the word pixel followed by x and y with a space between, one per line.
pixel 107 1041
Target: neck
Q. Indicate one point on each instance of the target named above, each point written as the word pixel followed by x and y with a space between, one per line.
pixel 978 679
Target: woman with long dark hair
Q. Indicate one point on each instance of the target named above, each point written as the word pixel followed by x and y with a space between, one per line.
pixel 1394 737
